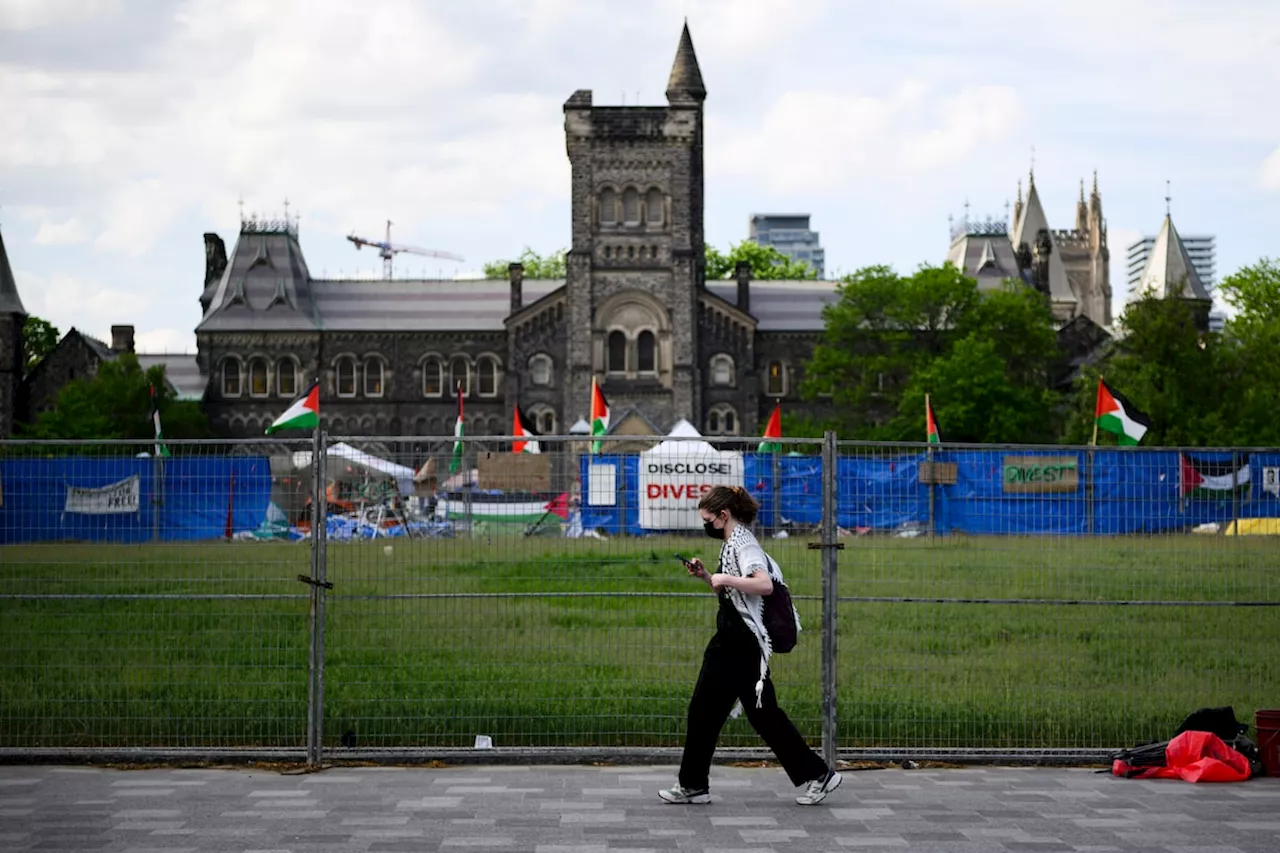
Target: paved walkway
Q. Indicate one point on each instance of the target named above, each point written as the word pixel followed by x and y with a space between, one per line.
pixel 599 809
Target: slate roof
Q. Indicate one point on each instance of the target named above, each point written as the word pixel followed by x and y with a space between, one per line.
pixel 987 258
pixel 266 285
pixel 476 305
pixel 783 306
pixel 181 370
pixel 1169 271
pixel 10 301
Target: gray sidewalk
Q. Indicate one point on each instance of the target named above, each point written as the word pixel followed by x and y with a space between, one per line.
pixel 560 809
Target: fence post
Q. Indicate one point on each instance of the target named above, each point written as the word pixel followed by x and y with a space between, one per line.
pixel 830 544
pixel 1235 492
pixel 319 529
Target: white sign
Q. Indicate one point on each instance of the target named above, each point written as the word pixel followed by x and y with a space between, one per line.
pixel 671 484
pixel 602 485
pixel 1271 480
pixel 115 498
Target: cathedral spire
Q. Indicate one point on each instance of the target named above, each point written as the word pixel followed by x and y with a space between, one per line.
pixel 1017 205
pixel 685 83
pixel 1082 211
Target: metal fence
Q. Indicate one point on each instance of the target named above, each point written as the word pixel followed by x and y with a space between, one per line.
pixel 375 599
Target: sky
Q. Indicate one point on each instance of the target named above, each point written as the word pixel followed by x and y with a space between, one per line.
pixel 128 128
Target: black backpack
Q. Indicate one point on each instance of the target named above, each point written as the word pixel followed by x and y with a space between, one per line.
pixel 780 617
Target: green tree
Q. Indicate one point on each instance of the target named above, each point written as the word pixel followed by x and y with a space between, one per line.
pixel 1251 353
pixel 984 357
pixel 535 266
pixel 39 337
pixel 116 404
pixel 766 262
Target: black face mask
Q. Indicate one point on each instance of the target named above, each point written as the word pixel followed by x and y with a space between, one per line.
pixel 713 531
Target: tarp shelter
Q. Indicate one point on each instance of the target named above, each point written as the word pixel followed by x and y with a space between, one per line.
pixel 366 464
pixel 676 473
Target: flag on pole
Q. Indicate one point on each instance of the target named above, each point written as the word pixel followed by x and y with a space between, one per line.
pixel 457 435
pixel 773 430
pixel 162 449
pixel 1115 414
pixel 303 414
pixel 599 415
pixel 521 428
pixel 930 423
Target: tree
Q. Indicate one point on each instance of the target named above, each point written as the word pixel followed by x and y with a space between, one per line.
pixel 766 262
pixel 984 357
pixel 40 337
pixel 116 404
pixel 1251 352
pixel 535 266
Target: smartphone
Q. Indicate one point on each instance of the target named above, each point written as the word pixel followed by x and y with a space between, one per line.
pixel 687 563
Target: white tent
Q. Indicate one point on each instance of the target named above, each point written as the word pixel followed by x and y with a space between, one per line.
pixel 402 474
pixel 676 473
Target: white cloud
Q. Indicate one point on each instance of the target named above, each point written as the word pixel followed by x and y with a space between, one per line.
pixel 164 341
pixel 66 233
pixel 70 301
pixel 1271 171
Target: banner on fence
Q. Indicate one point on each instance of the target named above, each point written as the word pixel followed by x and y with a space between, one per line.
pixel 675 475
pixel 118 497
pixel 1038 475
pixel 1271 480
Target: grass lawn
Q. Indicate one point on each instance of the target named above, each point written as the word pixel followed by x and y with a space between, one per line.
pixel 551 642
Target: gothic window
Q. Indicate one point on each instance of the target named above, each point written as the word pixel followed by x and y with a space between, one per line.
pixel 544 420
pixel 722 369
pixel 258 378
pixel 646 353
pixel 432 377
pixel 540 369
pixel 608 206
pixel 617 362
pixel 487 377
pixel 630 206
pixel 231 377
pixel 775 383
pixel 346 375
pixel 460 375
pixel 287 378
pixel 653 207
pixel 722 420
pixel 373 377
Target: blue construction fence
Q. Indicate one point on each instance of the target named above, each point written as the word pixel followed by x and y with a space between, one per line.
pixel 99 500
pixel 1117 492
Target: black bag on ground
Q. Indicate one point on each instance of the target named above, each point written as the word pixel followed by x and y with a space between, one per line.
pixel 1217 721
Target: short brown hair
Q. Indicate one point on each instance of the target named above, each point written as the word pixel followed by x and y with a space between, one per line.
pixel 735 499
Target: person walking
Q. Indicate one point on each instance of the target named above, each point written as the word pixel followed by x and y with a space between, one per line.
pixel 735 666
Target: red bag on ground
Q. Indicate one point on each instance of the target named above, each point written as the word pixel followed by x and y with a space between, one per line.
pixel 1195 757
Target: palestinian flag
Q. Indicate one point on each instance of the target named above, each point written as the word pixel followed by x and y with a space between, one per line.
pixel 599 415
pixel 1117 415
pixel 304 414
pixel 519 428
pixel 1213 480
pixel 457 435
pixel 162 449
pixel 930 425
pixel 773 430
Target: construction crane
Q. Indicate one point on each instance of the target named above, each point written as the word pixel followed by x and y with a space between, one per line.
pixel 388 250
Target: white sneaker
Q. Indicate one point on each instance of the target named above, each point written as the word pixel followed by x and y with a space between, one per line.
pixel 817 790
pixel 684 796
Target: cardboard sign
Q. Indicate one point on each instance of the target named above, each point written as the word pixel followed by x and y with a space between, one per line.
pixel 118 497
pixel 514 472
pixel 1039 474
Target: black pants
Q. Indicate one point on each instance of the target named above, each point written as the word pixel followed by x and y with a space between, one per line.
pixel 730 670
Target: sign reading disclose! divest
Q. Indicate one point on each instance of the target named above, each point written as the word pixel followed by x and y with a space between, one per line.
pixel 675 475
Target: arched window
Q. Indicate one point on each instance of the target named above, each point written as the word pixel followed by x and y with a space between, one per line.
pixel 374 377
pixel 617 362
pixel 346 375
pixel 630 206
pixel 646 353
pixel 540 369
pixel 722 420
pixel 460 375
pixel 432 377
pixel 259 382
pixel 722 369
pixel 544 421
pixel 487 377
pixel 713 423
pixel 653 207
pixel 775 379
pixel 287 378
pixel 231 377
pixel 608 206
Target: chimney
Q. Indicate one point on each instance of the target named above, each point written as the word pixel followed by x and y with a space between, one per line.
pixel 743 273
pixel 515 272
pixel 122 338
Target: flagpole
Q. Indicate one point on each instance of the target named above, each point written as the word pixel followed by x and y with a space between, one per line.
pixel 928 411
pixel 1094 442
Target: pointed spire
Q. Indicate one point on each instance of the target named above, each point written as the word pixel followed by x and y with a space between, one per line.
pixel 1169 272
pixel 1082 211
pixel 10 301
pixel 685 83
pixel 1017 209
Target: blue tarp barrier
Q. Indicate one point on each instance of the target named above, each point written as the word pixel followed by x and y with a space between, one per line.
pixel 1132 492
pixel 177 498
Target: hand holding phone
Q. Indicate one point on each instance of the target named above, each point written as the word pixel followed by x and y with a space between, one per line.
pixel 694 565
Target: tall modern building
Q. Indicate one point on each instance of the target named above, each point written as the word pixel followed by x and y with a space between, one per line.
pixel 1201 249
pixel 790 234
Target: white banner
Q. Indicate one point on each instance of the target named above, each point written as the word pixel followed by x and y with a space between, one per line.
pixel 672 484
pixel 115 498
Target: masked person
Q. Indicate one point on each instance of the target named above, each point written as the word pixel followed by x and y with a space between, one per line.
pixel 735 664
